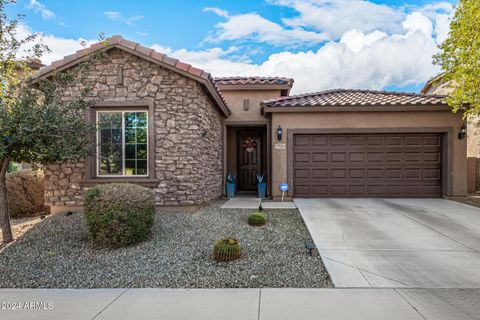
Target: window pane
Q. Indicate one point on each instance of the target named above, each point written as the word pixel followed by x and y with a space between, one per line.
pixel 141 119
pixel 130 120
pixel 141 167
pixel 129 135
pixel 130 168
pixel 130 151
pixel 110 148
pixel 142 135
pixel 110 119
pixel 111 159
pixel 141 151
pixel 117 135
pixel 106 135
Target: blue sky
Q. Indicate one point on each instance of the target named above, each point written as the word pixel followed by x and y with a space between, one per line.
pixel 376 44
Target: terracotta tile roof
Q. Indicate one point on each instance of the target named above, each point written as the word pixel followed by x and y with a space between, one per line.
pixel 345 97
pixel 254 81
pixel 135 48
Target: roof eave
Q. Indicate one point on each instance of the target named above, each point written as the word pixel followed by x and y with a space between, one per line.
pixel 241 87
pixel 355 108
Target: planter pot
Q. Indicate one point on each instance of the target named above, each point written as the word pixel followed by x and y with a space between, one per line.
pixel 262 190
pixel 230 190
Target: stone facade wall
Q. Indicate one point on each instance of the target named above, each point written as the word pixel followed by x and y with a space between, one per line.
pixel 188 132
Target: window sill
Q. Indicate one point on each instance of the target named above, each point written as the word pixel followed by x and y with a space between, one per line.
pixel 146 182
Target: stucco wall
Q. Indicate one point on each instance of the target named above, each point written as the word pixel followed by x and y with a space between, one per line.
pixel 357 120
pixel 188 162
pixel 234 99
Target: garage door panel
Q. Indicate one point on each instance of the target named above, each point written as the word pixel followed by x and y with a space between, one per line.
pixel 374 156
pixel 431 157
pixel 302 141
pixel 302 157
pixel 320 173
pixel 356 156
pixel 320 140
pixel 367 165
pixel 320 156
pixel 338 157
pixel 433 141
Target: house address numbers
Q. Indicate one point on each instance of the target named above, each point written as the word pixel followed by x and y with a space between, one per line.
pixel 280 146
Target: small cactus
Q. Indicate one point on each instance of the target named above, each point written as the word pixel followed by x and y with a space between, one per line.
pixel 226 250
pixel 256 219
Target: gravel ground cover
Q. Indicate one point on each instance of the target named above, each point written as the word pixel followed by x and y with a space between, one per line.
pixel 20 226
pixel 57 253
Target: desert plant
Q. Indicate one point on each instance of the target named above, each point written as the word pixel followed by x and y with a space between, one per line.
pixel 230 178
pixel 226 250
pixel 260 177
pixel 256 219
pixel 119 214
pixel 26 193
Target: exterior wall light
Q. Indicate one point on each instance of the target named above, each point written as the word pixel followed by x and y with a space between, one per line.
pixel 463 132
pixel 279 133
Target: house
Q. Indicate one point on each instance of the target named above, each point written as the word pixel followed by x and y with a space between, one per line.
pixel 439 86
pixel 173 128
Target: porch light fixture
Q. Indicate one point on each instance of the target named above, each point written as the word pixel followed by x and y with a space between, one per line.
pixel 463 132
pixel 279 133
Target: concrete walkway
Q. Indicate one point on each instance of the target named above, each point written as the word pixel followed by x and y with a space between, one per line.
pixel 254 203
pixel 416 243
pixel 245 304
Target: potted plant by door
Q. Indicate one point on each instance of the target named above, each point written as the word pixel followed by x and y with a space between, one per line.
pixel 230 186
pixel 261 186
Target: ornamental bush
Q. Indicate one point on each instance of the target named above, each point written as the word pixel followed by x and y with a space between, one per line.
pixel 119 214
pixel 257 219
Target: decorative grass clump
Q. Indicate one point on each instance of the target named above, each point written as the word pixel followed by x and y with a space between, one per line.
pixel 119 214
pixel 226 250
pixel 257 219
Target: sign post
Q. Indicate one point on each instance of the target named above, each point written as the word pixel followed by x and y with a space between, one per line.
pixel 283 188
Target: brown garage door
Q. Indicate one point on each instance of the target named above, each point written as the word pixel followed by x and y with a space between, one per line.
pixel 367 165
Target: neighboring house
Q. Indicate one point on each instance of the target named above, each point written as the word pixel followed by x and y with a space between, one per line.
pixel 171 127
pixel 438 86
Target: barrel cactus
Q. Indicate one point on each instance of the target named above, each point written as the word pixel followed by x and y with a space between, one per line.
pixel 226 250
pixel 257 219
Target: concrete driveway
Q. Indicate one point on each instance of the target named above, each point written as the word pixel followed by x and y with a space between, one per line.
pixel 399 243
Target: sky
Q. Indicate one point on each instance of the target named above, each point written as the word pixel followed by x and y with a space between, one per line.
pixel 322 44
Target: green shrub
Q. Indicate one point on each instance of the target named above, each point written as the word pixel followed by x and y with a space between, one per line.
pixel 25 193
pixel 118 214
pixel 257 219
pixel 226 250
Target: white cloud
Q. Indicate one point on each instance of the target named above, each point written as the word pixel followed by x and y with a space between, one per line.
pixel 418 22
pixel 335 17
pixel 252 26
pixel 368 60
pixel 217 11
pixel 117 16
pixel 41 8
pixel 112 15
pixel 442 27
pixel 197 57
pixel 59 47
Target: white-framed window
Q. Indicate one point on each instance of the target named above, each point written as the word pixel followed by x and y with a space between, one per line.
pixel 122 143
